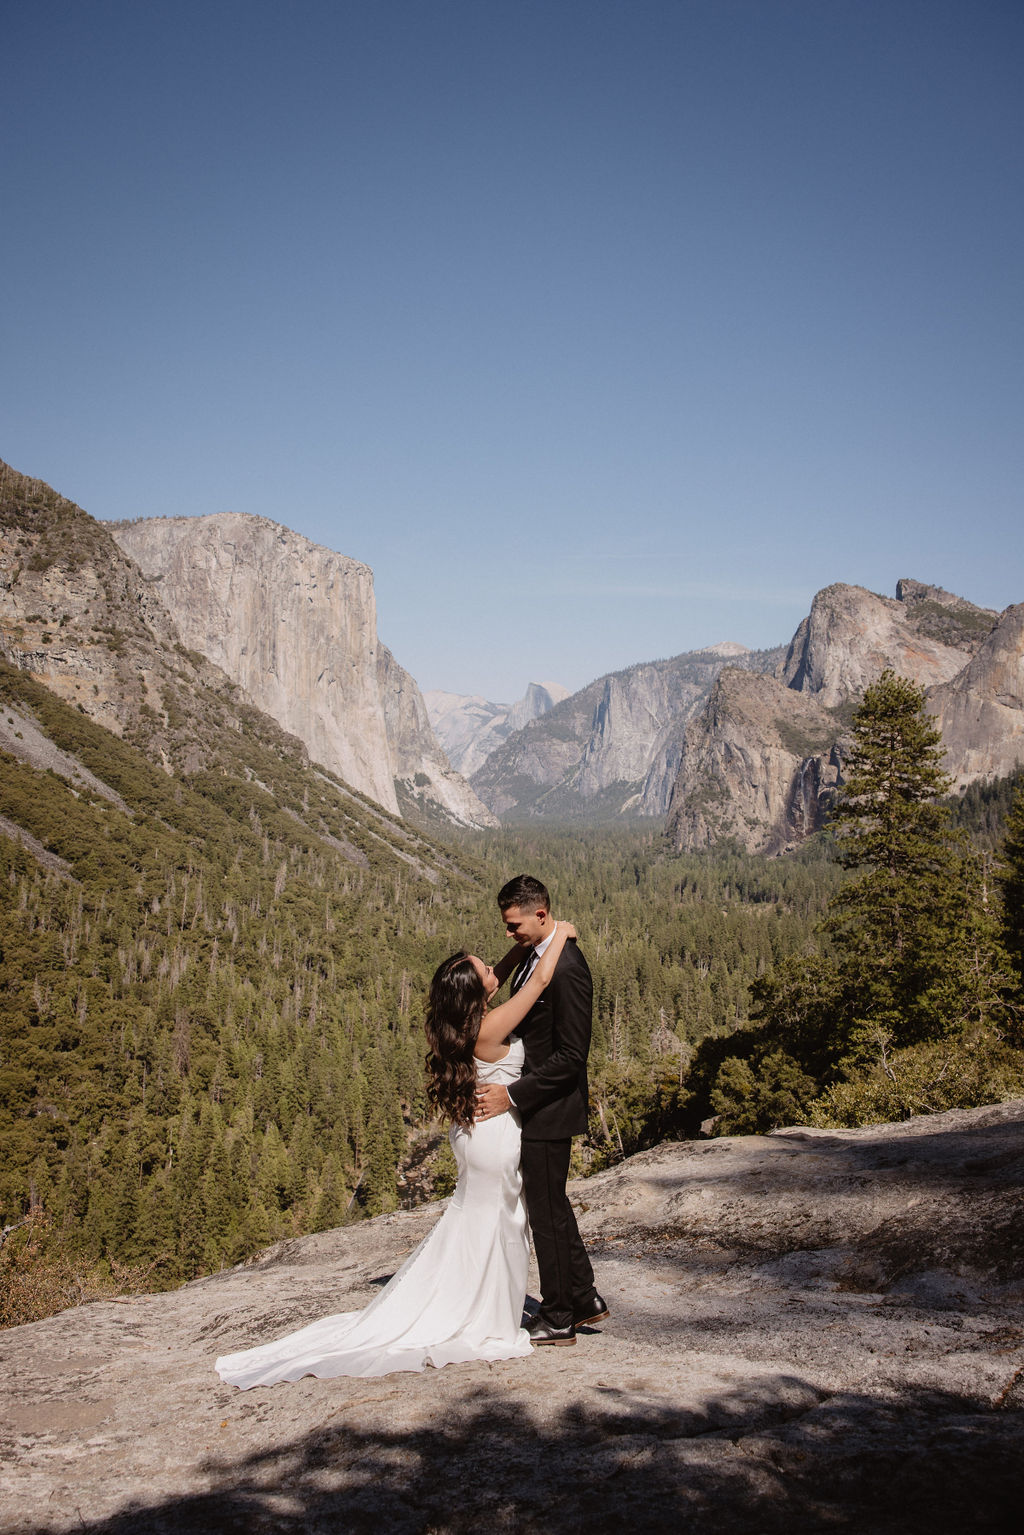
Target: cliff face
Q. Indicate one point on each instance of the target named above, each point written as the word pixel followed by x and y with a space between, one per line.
pixel 423 776
pixel 614 747
pixel 295 625
pixel 78 615
pixel 981 712
pixel 634 716
pixel 292 624
pixel 470 727
pixel 749 745
pixel 761 764
pixel 852 635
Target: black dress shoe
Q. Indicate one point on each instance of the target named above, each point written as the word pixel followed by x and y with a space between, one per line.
pixel 593 1310
pixel 543 1332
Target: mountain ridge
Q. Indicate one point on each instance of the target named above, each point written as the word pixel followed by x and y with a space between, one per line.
pixel 470 727
pixel 760 761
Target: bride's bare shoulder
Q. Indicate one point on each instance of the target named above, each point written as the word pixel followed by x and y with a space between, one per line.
pixel 491 1054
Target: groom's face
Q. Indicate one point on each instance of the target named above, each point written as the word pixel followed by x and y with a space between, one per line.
pixel 525 927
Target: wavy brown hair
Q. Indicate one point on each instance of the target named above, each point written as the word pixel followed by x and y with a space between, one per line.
pixel 454 1013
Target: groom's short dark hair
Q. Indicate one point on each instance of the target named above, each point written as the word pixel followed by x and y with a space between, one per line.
pixel 525 892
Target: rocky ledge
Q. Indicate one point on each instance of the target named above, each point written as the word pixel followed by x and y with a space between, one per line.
pixel 814 1330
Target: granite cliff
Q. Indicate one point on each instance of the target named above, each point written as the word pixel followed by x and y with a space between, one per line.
pixel 749 745
pixel 611 749
pixel 295 626
pixel 811 1330
pixel 981 711
pixel 470 727
pixel 761 762
pixel 851 635
pixel 758 766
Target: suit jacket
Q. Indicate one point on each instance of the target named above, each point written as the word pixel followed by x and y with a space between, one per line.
pixel 551 1095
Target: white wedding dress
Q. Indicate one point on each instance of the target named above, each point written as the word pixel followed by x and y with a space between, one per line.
pixel 458 1297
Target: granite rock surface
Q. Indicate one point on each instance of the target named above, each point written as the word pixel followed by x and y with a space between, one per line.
pixel 470 727
pixel 813 1330
pixel 614 747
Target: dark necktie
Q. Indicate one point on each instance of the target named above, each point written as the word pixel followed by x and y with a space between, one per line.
pixel 522 973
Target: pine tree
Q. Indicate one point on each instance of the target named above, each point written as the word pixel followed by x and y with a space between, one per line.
pixel 217 1205
pixel 891 922
pixel 379 1192
pixel 331 1197
pixel 1011 878
pixel 976 982
pixel 273 1177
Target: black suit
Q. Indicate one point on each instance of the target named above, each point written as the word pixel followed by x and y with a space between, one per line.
pixel 551 1097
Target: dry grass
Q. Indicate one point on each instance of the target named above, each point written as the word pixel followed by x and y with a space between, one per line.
pixel 39 1276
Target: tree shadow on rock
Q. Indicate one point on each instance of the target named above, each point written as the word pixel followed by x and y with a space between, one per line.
pixel 764 1460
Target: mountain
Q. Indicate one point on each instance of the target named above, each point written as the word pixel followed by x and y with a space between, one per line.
pixel 762 761
pixel 851 635
pixel 759 764
pixel 611 749
pixel 470 727
pixel 295 626
pixel 748 745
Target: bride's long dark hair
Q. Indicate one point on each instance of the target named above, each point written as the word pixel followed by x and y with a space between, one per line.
pixel 454 1014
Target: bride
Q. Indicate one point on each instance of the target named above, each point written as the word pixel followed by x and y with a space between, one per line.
pixel 460 1294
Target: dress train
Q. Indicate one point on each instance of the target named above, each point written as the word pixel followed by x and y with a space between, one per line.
pixel 459 1296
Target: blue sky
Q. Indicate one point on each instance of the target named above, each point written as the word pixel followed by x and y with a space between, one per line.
pixel 601 331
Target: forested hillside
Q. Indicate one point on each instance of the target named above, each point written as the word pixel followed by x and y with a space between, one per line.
pixel 208 1024
pixel 212 1015
pixel 212 989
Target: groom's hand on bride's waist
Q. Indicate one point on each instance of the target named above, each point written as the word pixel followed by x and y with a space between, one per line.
pixel 492 1100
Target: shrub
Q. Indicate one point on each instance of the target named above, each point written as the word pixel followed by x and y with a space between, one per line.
pixel 749 1102
pixel 922 1079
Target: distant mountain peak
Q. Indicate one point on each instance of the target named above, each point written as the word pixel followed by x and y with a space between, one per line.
pixel 611 749
pixel 727 648
pixel 470 727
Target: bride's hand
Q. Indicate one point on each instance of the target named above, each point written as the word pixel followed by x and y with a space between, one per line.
pixel 570 931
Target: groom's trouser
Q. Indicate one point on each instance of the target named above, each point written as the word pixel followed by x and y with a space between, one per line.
pixel 566 1275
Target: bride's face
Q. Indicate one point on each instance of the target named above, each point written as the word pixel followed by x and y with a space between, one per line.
pixel 487 976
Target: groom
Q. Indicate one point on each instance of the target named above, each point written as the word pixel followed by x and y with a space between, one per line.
pixel 551 1097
